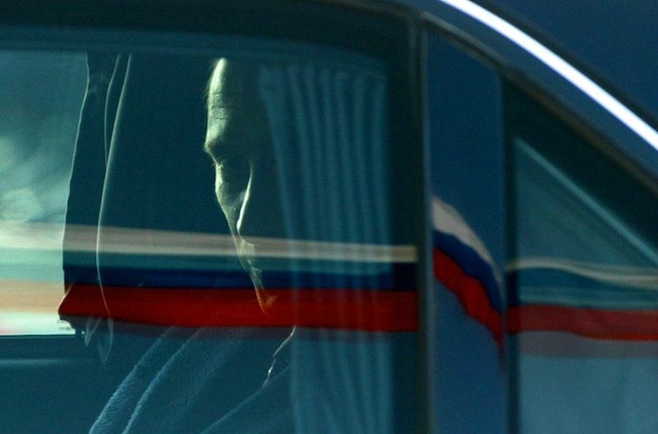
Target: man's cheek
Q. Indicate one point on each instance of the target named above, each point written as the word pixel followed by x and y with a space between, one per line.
pixel 231 210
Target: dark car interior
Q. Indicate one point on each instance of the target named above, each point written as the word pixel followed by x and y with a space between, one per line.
pixel 122 136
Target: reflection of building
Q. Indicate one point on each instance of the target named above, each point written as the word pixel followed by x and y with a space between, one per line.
pixel 40 100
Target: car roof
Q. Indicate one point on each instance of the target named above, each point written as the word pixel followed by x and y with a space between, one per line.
pixel 617 43
pixel 614 45
pixel 613 76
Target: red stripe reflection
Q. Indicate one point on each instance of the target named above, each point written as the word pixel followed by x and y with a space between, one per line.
pixel 628 325
pixel 201 307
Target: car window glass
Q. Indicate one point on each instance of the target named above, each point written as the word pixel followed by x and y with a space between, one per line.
pixel 583 275
pixel 40 99
pixel 231 242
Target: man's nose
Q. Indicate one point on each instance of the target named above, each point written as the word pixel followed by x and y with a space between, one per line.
pixel 261 212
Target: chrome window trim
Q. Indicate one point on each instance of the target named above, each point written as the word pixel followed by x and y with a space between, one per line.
pixel 560 66
pixel 571 89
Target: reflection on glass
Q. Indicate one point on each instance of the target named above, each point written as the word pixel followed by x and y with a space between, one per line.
pixel 283 298
pixel 584 276
pixel 40 100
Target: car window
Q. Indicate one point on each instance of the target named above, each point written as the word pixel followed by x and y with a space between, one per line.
pixel 228 237
pixel 583 275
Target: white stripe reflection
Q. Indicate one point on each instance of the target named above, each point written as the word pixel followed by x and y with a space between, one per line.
pixel 43 236
pixel 560 66
pixel 633 277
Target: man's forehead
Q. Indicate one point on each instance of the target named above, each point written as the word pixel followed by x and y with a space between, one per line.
pixel 231 84
pixel 233 95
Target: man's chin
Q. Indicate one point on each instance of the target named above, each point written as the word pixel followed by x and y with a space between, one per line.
pixel 275 310
pixel 266 301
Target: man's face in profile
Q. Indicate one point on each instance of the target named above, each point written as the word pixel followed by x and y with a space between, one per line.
pixel 238 140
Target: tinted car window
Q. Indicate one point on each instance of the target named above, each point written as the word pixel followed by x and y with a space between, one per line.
pixel 40 100
pixel 583 269
pixel 234 252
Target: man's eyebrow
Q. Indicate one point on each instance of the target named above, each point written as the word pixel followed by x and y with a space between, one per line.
pixel 206 146
pixel 211 147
